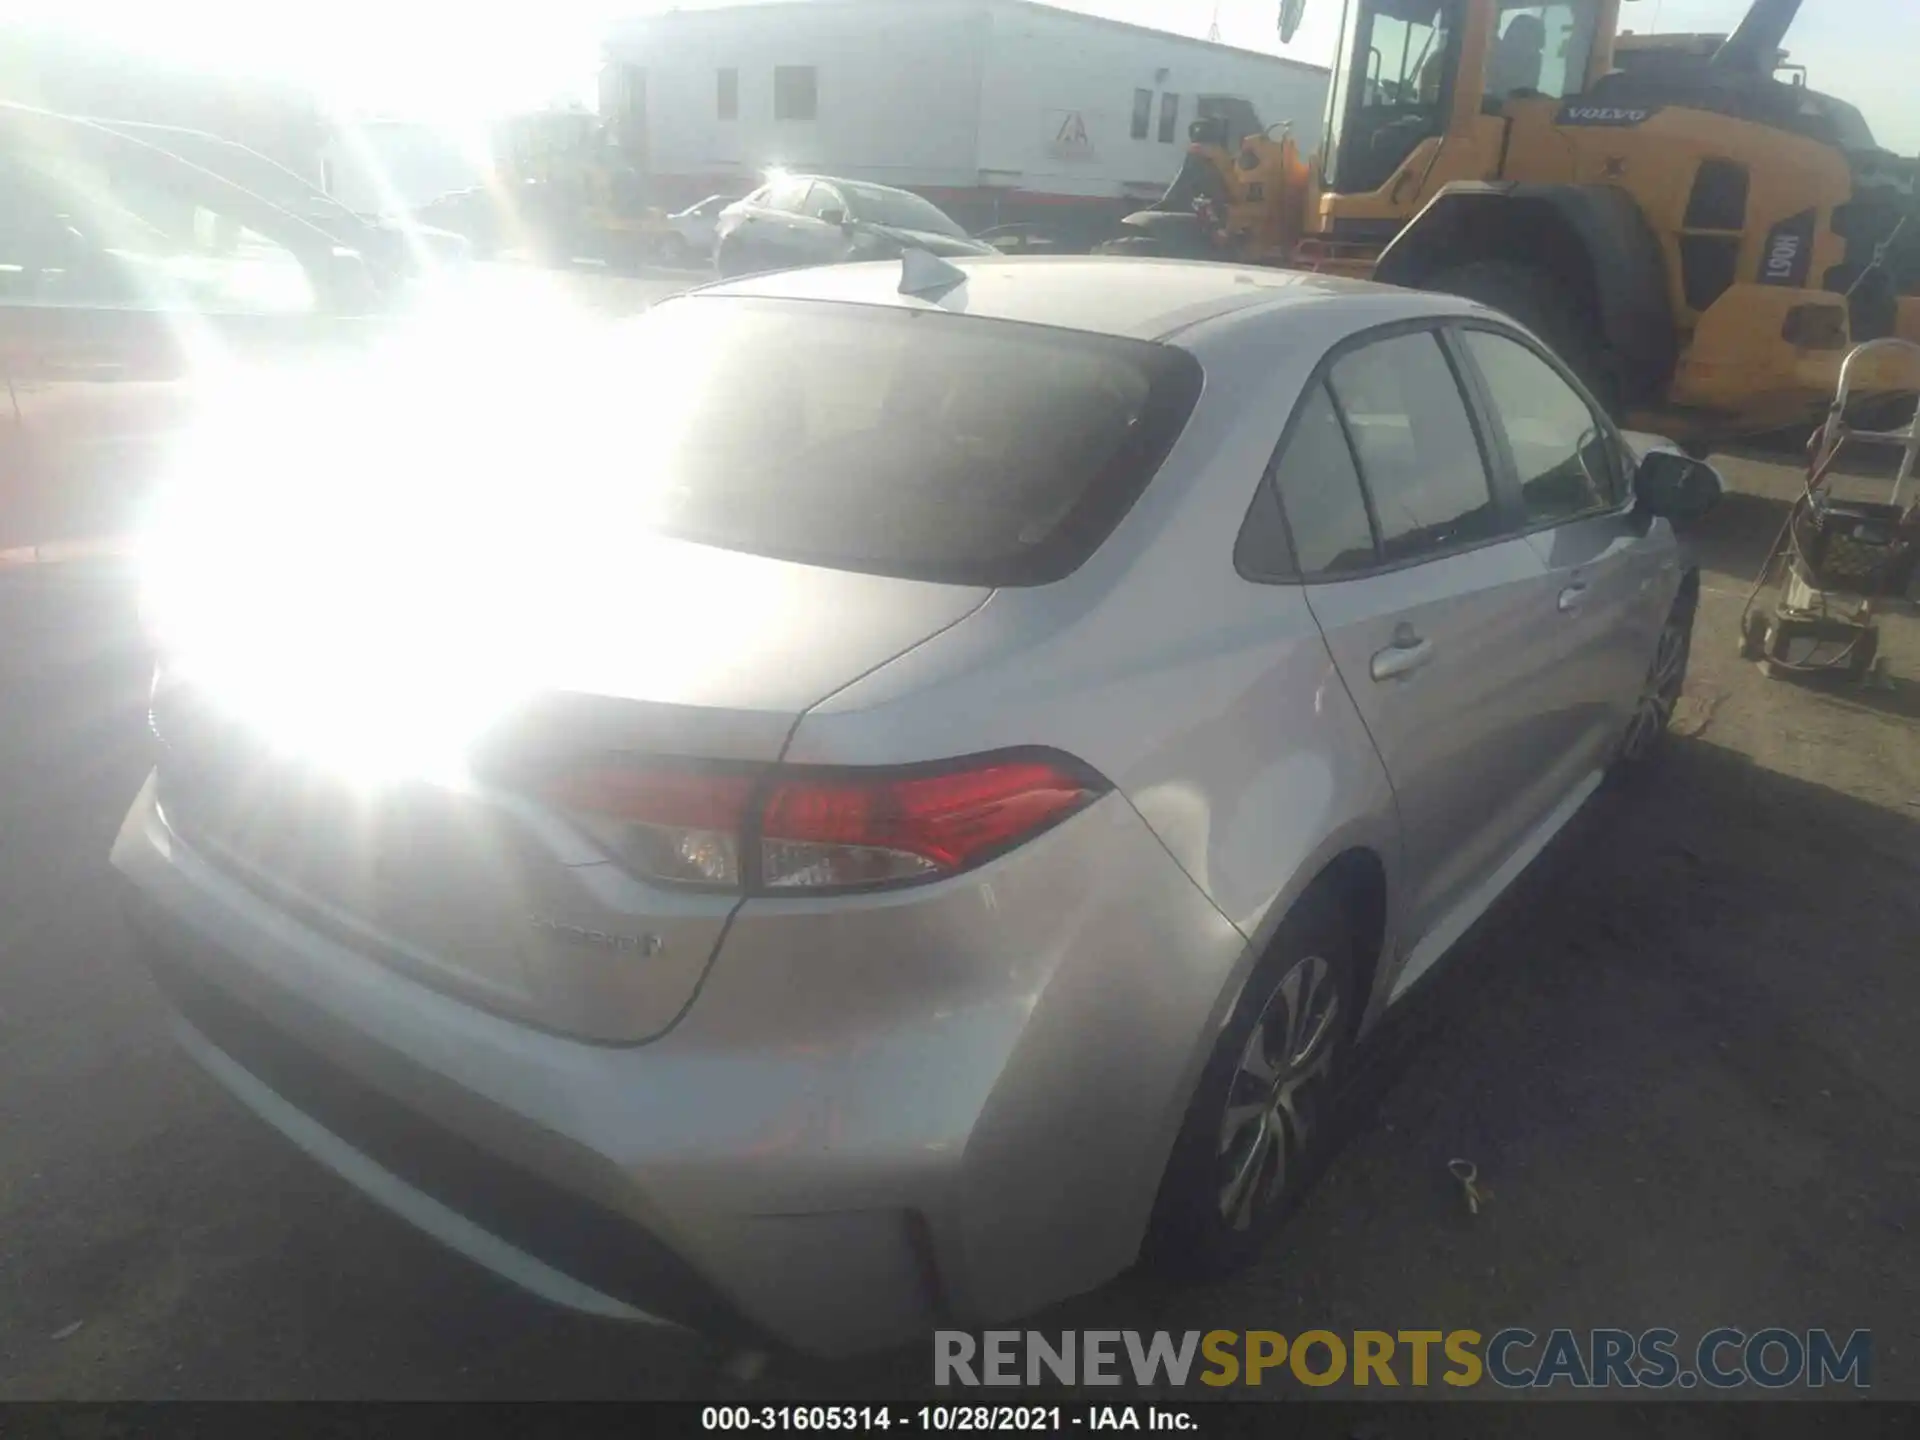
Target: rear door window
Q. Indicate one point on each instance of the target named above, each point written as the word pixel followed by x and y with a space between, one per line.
pixel 898 442
pixel 1320 493
pixel 1418 453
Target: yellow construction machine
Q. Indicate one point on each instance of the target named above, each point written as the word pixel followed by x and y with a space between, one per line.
pixel 1702 240
pixel 570 193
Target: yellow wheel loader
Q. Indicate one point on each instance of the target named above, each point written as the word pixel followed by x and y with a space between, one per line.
pixel 570 194
pixel 1701 239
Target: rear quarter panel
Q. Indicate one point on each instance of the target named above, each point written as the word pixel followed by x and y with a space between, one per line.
pixel 1210 701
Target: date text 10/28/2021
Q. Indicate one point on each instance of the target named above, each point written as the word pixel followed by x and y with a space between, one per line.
pixel 942 1419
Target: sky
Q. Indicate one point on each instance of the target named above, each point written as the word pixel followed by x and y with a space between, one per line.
pixel 452 60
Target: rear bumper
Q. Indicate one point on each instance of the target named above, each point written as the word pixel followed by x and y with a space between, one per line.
pixel 501 1215
pixel 815 1155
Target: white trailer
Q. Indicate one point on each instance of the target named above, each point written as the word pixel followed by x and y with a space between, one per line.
pixel 999 110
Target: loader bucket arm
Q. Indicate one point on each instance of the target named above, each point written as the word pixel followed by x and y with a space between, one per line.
pixel 1754 48
pixel 1200 176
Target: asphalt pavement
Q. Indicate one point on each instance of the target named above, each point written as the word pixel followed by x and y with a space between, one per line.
pixel 1681 1056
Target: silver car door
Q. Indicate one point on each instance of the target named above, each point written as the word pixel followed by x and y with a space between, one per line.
pixel 1602 596
pixel 1431 621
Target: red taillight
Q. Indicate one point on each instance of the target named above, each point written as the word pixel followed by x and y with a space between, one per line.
pixel 817 829
pixel 945 822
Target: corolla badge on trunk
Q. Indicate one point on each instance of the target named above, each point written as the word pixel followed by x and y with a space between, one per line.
pixel 596 939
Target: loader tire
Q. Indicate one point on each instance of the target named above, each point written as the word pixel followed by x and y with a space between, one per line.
pixel 1545 306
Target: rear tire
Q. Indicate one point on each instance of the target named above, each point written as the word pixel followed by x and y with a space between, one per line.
pixel 1545 306
pixel 1261 1119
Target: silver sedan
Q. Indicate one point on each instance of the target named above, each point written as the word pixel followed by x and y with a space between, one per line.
pixel 983 749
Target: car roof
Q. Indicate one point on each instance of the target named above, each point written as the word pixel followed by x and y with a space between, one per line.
pixel 857 184
pixel 1145 299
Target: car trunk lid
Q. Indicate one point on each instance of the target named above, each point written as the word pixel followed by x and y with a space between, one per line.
pixel 455 875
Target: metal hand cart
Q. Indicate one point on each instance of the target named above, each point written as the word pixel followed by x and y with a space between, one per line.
pixel 1836 562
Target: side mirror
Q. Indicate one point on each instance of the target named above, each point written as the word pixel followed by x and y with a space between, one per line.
pixel 835 217
pixel 1676 487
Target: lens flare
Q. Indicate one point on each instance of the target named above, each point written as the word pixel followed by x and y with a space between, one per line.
pixel 369 555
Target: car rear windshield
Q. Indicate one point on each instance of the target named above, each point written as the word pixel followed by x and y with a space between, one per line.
pixel 911 443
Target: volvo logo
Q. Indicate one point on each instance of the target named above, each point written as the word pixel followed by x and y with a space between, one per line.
pixel 596 939
pixel 1603 115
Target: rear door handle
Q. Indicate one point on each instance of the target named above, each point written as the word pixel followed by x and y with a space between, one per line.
pixel 1402 659
pixel 1572 598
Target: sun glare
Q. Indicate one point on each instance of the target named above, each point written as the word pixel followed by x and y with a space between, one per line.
pixel 369 558
pixel 329 551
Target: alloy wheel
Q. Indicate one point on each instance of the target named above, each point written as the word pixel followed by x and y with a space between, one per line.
pixel 1278 1090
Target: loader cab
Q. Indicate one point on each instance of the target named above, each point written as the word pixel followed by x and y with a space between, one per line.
pixel 1409 71
pixel 1393 83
